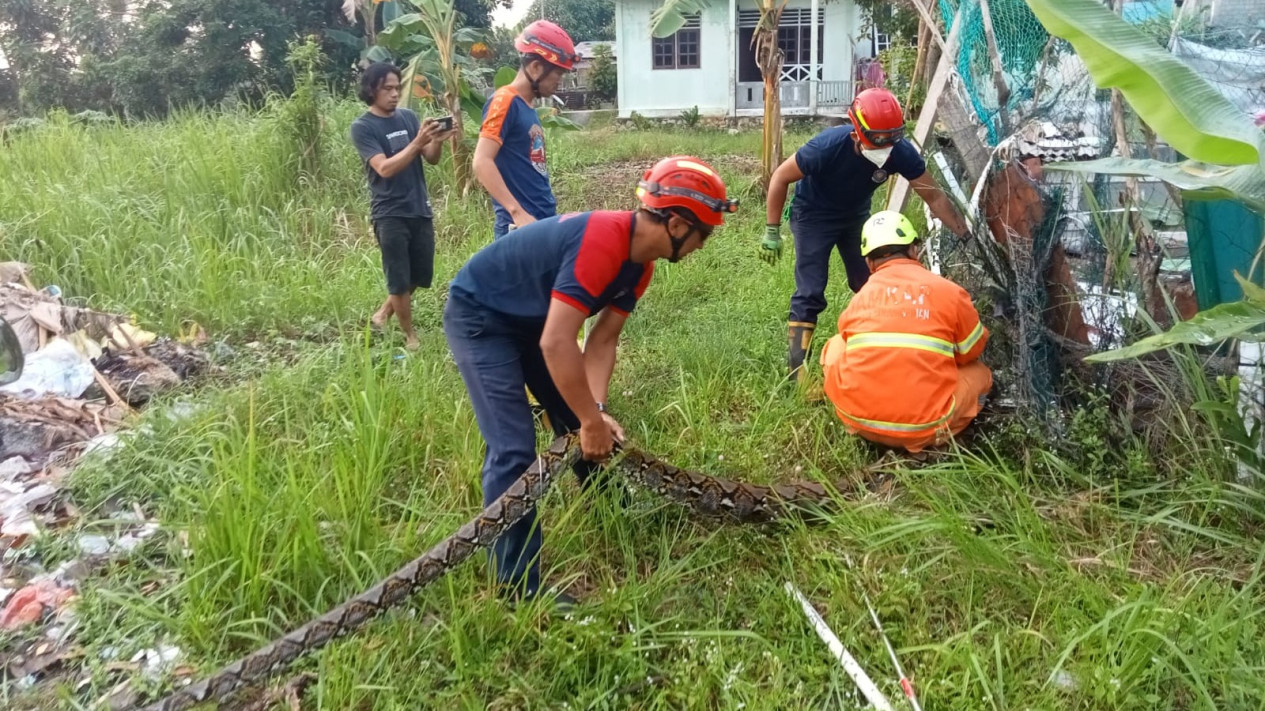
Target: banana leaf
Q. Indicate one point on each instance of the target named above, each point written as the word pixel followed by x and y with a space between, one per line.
pixel 467 35
pixel 390 10
pixel 1220 323
pixel 670 16
pixel 1242 182
pixel 504 76
pixel 404 29
pixel 551 118
pixel 1183 108
pixel 472 104
pixel 346 38
pixel 415 82
pixel 378 53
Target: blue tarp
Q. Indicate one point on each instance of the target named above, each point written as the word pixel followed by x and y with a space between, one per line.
pixel 1144 10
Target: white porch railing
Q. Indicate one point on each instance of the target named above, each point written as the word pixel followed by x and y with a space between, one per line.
pixel 796 95
pixel 834 94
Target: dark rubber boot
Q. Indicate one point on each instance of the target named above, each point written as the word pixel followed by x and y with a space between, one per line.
pixel 800 336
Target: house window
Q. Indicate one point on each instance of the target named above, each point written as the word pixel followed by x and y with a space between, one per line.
pixel 682 50
pixel 881 40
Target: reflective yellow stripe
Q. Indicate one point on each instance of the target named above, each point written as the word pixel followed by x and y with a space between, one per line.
pixel 695 166
pixel 900 427
pixel 966 345
pixel 930 344
pixel 861 120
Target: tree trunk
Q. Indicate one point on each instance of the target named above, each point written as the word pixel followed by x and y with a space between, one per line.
pixel 462 178
pixel 1014 211
pixel 769 59
pixel 771 155
pixel 368 10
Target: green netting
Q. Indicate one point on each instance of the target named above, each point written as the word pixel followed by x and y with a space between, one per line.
pixel 1021 41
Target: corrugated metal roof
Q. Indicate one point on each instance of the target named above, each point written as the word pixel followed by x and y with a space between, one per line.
pixel 586 50
pixel 1049 143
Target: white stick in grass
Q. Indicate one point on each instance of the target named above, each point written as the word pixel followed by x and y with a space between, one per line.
pixel 905 684
pixel 850 665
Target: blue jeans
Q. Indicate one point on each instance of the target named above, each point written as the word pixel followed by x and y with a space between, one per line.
pixel 814 240
pixel 502 224
pixel 497 356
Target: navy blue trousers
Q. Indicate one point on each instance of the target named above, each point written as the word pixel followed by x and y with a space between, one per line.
pixel 814 241
pixel 497 356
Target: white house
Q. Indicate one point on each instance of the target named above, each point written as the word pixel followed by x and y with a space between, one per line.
pixel 709 62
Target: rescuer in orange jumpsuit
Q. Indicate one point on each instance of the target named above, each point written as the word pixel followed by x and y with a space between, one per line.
pixel 904 371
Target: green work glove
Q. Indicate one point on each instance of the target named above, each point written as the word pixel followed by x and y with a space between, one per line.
pixel 771 245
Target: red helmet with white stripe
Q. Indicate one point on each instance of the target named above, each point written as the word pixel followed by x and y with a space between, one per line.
pixel 688 183
pixel 548 41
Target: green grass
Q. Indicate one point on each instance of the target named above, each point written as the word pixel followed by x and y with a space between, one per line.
pixel 1097 573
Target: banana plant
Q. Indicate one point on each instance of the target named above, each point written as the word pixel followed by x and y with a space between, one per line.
pixel 768 57
pixel 439 17
pixel 437 68
pixel 1226 149
pixel 671 16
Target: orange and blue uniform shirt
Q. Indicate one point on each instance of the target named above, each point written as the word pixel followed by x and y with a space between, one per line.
pixel 905 334
pixel 579 258
pixel 510 120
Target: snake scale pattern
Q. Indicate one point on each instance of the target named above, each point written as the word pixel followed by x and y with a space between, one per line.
pixel 737 501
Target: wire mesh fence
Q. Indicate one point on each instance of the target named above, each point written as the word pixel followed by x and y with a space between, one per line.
pixel 1065 263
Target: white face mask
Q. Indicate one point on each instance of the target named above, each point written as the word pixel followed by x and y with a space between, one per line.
pixel 877 156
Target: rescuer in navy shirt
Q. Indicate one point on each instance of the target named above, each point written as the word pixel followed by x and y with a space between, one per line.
pixel 514 312
pixel 837 172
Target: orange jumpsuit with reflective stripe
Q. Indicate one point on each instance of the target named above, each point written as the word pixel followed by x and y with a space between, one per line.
pixel 903 370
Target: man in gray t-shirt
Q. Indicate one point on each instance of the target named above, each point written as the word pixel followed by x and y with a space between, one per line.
pixel 390 141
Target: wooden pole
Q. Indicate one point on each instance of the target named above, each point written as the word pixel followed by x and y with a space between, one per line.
pixel 924 45
pixel 927 117
pixel 924 11
pixel 999 74
pixel 110 392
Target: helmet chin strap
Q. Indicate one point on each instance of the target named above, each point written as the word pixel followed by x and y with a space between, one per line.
pixel 677 242
pixel 535 83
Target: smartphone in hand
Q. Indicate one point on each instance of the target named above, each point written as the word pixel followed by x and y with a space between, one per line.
pixel 445 123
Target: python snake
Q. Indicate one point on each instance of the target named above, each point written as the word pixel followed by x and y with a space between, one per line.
pixel 742 502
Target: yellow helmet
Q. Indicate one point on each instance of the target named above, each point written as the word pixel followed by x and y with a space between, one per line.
pixel 884 229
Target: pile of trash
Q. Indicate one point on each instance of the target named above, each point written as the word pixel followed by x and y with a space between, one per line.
pixel 70 380
pixel 82 371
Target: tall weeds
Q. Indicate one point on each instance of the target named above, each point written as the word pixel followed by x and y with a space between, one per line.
pixel 1099 573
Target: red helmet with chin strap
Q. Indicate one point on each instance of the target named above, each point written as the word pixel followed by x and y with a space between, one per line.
pixel 548 41
pixel 877 119
pixel 688 183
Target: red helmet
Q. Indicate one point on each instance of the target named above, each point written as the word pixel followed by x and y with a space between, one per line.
pixel 877 118
pixel 549 41
pixel 689 183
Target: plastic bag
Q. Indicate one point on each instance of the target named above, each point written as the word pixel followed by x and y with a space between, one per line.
pixel 58 369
